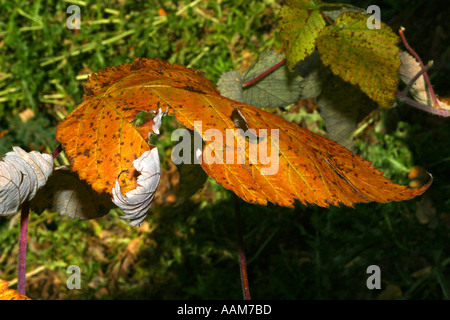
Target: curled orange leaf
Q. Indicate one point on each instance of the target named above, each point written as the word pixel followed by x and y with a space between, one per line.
pixel 101 141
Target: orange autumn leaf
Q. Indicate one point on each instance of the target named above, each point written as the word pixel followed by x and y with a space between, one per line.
pixel 101 141
pixel 10 294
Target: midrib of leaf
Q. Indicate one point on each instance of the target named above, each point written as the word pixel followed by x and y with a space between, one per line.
pixel 341 175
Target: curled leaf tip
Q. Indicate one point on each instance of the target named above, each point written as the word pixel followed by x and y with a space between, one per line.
pixel 22 174
pixel 409 70
pixel 136 203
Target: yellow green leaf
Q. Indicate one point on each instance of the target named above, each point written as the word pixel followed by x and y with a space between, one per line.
pixel 368 58
pixel 300 23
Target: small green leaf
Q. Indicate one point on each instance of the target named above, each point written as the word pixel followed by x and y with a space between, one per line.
pixel 300 23
pixel 280 88
pixel 230 85
pixel 366 57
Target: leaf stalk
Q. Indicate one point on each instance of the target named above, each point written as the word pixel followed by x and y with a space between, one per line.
pixel 242 261
pixel 425 75
pixel 21 276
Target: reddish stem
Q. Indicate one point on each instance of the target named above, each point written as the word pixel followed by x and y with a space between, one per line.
pixel 242 262
pixel 414 79
pixel 425 75
pixel 264 73
pixel 413 103
pixel 57 151
pixel 23 238
pixel 327 18
pixel 23 247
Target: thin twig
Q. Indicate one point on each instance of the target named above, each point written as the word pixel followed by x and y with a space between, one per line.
pixel 327 18
pixel 21 276
pixel 264 73
pixel 413 103
pixel 414 79
pixel 57 151
pixel 242 262
pixel 425 75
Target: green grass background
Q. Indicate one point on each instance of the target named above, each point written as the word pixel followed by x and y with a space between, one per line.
pixel 190 252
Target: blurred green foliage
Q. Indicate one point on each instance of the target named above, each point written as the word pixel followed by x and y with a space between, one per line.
pixel 43 64
pixel 190 251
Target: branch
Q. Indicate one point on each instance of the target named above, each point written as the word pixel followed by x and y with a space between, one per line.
pixel 242 262
pixel 425 75
pixel 23 247
pixel 327 18
pixel 413 103
pixel 264 73
pixel 414 79
pixel 57 151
